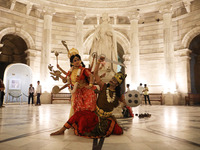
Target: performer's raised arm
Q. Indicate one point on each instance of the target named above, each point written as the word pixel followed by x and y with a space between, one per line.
pixel 96 76
pixel 63 71
pixel 65 44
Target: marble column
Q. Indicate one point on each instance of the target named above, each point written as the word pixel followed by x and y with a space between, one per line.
pixel 168 50
pixel 127 62
pixel 80 16
pixel 46 45
pixel 134 50
pixel 98 19
pixel 183 79
pixel 33 60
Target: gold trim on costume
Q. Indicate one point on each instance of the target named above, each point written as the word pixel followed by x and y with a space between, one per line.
pixel 102 113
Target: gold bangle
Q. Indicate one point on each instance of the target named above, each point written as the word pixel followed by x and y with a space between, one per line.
pixel 90 84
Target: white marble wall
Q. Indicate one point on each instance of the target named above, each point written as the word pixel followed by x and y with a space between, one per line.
pixel 150 34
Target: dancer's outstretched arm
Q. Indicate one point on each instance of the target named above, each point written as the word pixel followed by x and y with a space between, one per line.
pixel 96 76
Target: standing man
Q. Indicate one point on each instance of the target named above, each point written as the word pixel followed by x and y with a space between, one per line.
pixel 2 88
pixel 39 92
pixel 140 89
pixel 127 87
pixel 146 94
pixel 31 91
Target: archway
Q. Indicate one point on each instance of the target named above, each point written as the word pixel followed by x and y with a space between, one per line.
pixel 195 64
pixel 17 78
pixel 12 50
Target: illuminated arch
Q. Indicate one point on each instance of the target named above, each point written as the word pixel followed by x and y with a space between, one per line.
pixel 21 33
pixel 189 37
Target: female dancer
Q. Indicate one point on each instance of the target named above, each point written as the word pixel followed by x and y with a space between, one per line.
pixel 80 80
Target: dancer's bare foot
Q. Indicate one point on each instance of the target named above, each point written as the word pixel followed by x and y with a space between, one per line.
pixel 57 133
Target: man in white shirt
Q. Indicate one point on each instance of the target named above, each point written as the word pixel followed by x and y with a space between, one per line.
pixel 140 89
pixel 127 87
pixel 39 92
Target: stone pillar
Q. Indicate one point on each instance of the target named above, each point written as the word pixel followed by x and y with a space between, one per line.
pixel 168 50
pixel 169 85
pixel 98 19
pixel 115 20
pixel 80 16
pixel 134 50
pixel 127 62
pixel 183 73
pixel 46 45
pixel 34 62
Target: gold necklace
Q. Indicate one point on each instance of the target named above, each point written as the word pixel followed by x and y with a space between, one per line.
pixel 109 99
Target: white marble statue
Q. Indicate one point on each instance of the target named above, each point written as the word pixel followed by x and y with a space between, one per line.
pixel 104 42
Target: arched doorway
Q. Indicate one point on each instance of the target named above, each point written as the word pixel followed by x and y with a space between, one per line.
pixel 195 64
pixel 17 78
pixel 12 50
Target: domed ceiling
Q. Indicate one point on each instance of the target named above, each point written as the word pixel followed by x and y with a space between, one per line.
pixel 148 10
pixel 100 6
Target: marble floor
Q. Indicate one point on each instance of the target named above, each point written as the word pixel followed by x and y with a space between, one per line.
pixel 27 127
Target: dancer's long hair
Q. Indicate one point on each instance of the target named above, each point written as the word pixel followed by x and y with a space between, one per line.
pixel 72 58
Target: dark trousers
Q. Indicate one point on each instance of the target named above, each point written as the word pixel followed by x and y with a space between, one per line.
pixel 29 98
pixel 38 99
pixel 145 98
pixel 1 98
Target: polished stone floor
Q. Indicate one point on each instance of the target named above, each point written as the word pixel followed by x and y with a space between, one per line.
pixel 27 127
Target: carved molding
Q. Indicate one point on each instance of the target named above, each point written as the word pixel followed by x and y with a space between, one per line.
pixel 28 8
pixel 49 11
pixel 80 16
pixel 135 15
pixel 12 4
pixel 167 9
pixel 183 52
pixel 187 4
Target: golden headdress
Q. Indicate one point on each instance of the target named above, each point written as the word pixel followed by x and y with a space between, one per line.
pixel 120 77
pixel 72 51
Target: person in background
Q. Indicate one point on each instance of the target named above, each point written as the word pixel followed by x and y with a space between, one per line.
pixel 127 87
pixel 140 89
pixel 38 92
pixel 146 94
pixel 31 92
pixel 127 111
pixel 2 88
